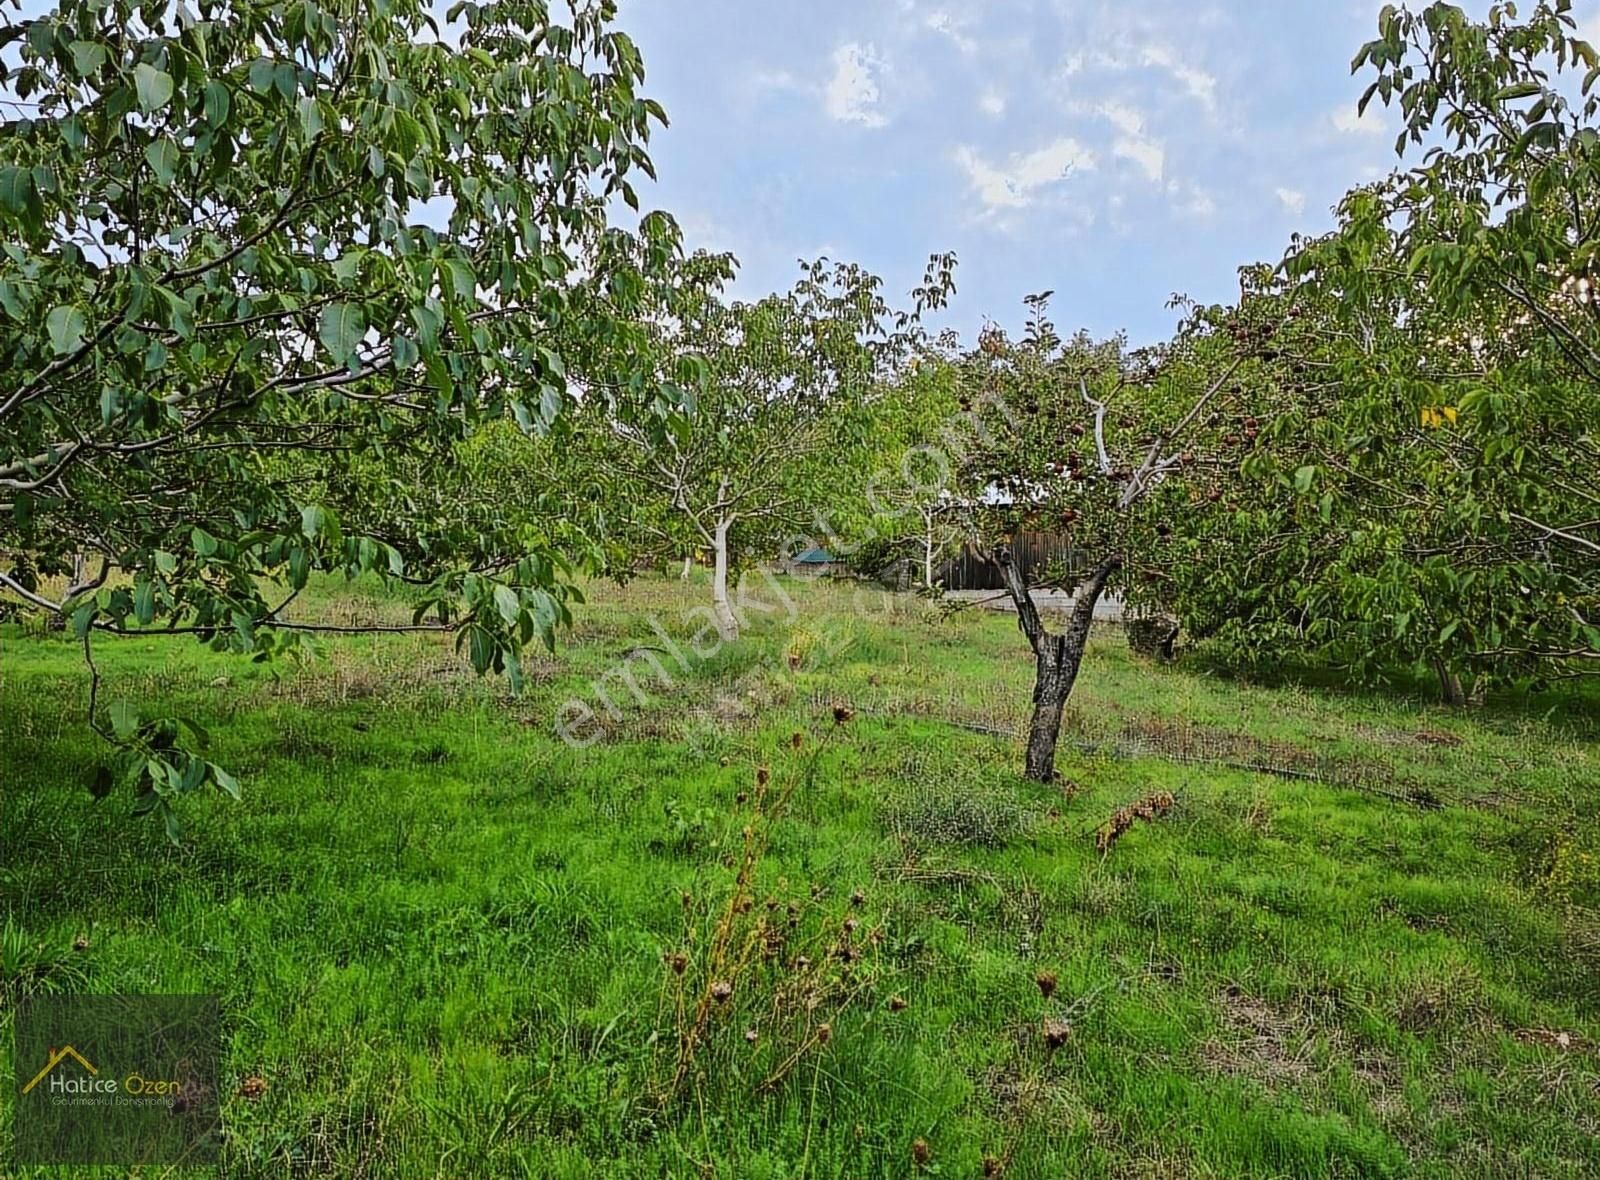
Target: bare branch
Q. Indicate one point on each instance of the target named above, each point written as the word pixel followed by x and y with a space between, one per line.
pixel 27 595
pixel 1152 466
pixel 1099 427
pixel 1549 531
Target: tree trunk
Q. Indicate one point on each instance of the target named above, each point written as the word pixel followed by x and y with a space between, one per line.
pixel 1057 657
pixel 688 564
pixel 1450 690
pixel 927 553
pixel 727 622
pixel 1052 684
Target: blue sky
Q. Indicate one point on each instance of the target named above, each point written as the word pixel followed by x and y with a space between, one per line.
pixel 1113 152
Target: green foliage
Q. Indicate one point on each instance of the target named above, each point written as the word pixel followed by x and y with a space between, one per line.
pixel 1427 492
pixel 919 434
pixel 262 262
pixel 1111 446
pixel 779 432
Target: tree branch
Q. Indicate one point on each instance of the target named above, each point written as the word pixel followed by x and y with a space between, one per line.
pixel 1099 427
pixel 1017 586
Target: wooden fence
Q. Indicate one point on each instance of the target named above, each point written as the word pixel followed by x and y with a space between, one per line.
pixel 1034 553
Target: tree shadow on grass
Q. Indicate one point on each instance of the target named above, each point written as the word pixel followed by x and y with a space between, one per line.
pixel 1573 704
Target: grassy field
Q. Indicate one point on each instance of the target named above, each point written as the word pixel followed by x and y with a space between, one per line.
pixel 1363 940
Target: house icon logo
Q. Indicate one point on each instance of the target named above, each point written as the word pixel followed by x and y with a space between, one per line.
pixel 57 1056
pixel 113 1079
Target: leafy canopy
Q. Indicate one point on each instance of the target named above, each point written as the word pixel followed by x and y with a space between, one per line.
pixel 259 258
pixel 1429 493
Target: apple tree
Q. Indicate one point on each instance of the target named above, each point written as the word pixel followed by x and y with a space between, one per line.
pixel 1111 446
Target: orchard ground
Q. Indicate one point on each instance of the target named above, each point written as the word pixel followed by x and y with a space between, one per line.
pixel 1363 940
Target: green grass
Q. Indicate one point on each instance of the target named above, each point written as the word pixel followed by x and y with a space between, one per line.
pixel 438 933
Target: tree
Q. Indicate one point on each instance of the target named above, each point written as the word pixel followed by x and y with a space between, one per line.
pixel 781 420
pixel 1101 442
pixel 920 435
pixel 1498 230
pixel 1427 496
pixel 251 252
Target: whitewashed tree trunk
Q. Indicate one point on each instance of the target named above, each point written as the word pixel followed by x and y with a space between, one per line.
pixel 688 564
pixel 927 549
pixel 727 623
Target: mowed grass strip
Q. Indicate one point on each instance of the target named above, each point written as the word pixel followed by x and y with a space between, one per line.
pixel 445 940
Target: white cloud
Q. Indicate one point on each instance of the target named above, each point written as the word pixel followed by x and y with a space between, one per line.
pixel 1190 198
pixel 941 21
pixel 1124 118
pixel 992 103
pixel 775 80
pixel 1132 143
pixel 1346 120
pixel 1017 183
pixel 1200 85
pixel 1292 199
pixel 703 231
pixel 1149 156
pixel 851 94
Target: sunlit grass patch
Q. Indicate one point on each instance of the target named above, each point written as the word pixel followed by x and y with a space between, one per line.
pixel 444 939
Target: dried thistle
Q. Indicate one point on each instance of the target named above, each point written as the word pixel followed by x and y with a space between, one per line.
pixel 858 898
pixel 1150 808
pixel 1046 980
pixel 824 1033
pixel 842 714
pixel 797 739
pixel 993 1165
pixel 763 776
pixel 722 991
pixel 678 961
pixel 253 1087
pixel 1056 1033
pixel 771 942
pixel 921 1153
pixel 897 1004
pixel 81 943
